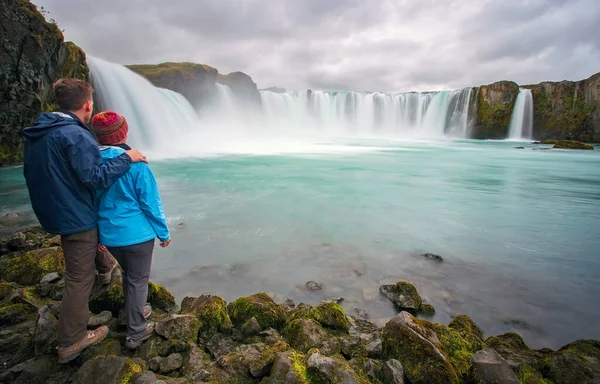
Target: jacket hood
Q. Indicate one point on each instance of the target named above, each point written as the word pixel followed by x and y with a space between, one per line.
pixel 47 121
pixel 108 152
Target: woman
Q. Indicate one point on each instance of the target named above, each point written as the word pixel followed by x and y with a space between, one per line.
pixel 130 218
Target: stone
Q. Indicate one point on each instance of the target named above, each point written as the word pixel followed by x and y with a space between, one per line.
pixel 145 377
pixel 513 348
pixel 393 372
pixel 218 344
pixel 261 367
pixel 172 346
pixel 367 367
pixel 404 296
pixel 289 303
pixel 16 344
pixel 333 299
pixel 171 363
pixel 433 256
pixel 103 318
pixel 33 371
pixel 155 363
pixel 150 348
pixel 313 286
pixel 288 368
pixel 108 347
pixel 488 367
pixel 329 370
pixel 160 298
pixel 108 297
pixel 374 348
pixel 107 370
pixel 183 327
pixel 427 310
pixel 50 278
pixel 56 290
pixel 251 327
pixel 211 311
pixel 518 147
pixel 271 336
pixel 304 334
pixel 29 268
pixel 195 361
pixel 329 315
pixel 411 344
pixel 46 332
pixel 15 313
pixel 577 362
pixel 261 306
pixel 569 144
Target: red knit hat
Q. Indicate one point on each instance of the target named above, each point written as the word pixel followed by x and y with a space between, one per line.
pixel 110 127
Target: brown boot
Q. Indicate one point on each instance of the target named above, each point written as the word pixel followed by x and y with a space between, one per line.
pixel 69 353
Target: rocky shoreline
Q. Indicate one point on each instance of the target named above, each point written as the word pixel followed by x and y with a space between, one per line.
pixel 255 340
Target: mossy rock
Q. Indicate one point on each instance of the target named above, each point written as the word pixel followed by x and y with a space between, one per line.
pixel 427 310
pixel 110 297
pixel 261 367
pixel 289 368
pixel 15 313
pixel 30 267
pixel 181 327
pixel 528 375
pixel 261 306
pixel 404 295
pixel 571 144
pixel 407 340
pixel 108 347
pixel 511 346
pixel 329 315
pixel 6 289
pixel 109 369
pixel 457 349
pixel 324 369
pixel 159 297
pixel 465 325
pixel 211 311
pixel 304 334
pixel 577 362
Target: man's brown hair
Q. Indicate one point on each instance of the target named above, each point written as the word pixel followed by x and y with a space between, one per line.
pixel 72 94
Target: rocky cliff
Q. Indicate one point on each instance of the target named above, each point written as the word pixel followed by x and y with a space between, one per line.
pixel 197 82
pixel 33 56
pixel 494 104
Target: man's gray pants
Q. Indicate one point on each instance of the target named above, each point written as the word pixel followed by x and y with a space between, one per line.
pixel 136 261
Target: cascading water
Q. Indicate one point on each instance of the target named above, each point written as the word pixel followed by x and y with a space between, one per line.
pixel 153 114
pixel 521 121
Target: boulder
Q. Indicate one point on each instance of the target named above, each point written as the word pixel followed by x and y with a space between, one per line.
pixel 160 298
pixel 166 364
pixel 108 370
pixel 109 297
pixel 236 364
pixel 329 315
pixel 513 348
pixel 251 328
pixel 172 346
pixel 304 334
pixel 183 327
pixel 570 144
pixel 211 311
pixel 195 361
pixel 393 372
pixel 468 330
pixel 404 296
pixel 33 371
pixel 490 368
pixel 577 362
pixel 328 370
pixel 15 313
pixel 288 368
pixel 262 366
pixel 16 343
pixel 46 331
pixel 108 347
pixel 313 286
pixel 29 268
pixel 427 310
pixel 103 318
pixel 408 341
pixel 261 306
pixel 368 368
pixel 217 344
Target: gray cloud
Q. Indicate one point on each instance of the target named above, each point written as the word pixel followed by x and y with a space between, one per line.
pixel 383 45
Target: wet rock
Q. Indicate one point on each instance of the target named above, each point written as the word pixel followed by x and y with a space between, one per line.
pixel 271 336
pixel 427 309
pixel 313 286
pixel 367 367
pixel 261 367
pixel 288 368
pixel 211 311
pixel 172 346
pixel 329 315
pixel 406 341
pixel 518 323
pixel 404 296
pixel 513 349
pixel 490 368
pixel 160 298
pixel 103 318
pixel 46 331
pixel 289 303
pixel 29 268
pixel 195 361
pixel 171 363
pixel 393 372
pixel 577 362
pixel 251 328
pixel 218 344
pixel 329 370
pixel 335 300
pixel 433 256
pixel 465 325
pixel 261 306
pixel 519 147
pixel 568 144
pixel 107 370
pixel 183 327
pixel 33 371
pixel 304 334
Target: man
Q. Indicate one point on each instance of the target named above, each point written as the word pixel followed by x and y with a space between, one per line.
pixel 63 169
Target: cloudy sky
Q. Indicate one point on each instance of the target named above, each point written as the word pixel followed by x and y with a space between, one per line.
pixel 378 45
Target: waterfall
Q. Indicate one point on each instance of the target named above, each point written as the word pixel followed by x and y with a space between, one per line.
pixel 521 121
pixel 159 117
pixel 153 114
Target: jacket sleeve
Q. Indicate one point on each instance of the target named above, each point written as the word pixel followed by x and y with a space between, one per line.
pixel 149 199
pixel 85 159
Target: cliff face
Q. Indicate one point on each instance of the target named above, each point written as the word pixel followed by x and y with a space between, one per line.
pixel 494 104
pixel 33 56
pixel 567 110
pixel 197 82
pixel 194 81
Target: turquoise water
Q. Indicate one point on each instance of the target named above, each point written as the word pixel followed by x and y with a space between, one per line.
pixel 518 229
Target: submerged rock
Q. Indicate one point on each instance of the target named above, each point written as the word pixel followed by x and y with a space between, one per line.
pixel 519 147
pixel 313 286
pixel 432 256
pixel 490 368
pixel 568 144
pixel 404 296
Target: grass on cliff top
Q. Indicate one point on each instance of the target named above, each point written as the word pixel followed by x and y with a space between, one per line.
pixel 186 69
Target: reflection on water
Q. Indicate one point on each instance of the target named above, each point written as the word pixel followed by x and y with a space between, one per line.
pixel 518 230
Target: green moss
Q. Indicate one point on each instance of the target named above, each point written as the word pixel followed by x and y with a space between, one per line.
pixel 6 289
pixel 268 355
pixel 577 362
pixel 261 306
pixel 493 120
pixel 458 349
pixel 130 369
pixel 15 313
pixel 329 315
pixel 211 311
pixel 159 297
pixel 528 375
pixel 465 325
pixel 158 74
pixel 299 366
pixel 109 298
pixel 571 144
pixel 30 267
pixel 427 310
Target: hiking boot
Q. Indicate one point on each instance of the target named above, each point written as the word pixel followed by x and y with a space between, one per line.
pixel 69 353
pixel 147 311
pixel 105 278
pixel 136 342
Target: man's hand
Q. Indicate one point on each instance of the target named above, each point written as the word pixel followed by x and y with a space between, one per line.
pixel 165 244
pixel 136 156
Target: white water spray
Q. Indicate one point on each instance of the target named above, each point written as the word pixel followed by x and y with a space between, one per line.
pixel 521 121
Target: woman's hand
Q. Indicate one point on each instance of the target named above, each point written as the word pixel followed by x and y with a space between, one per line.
pixel 102 248
pixel 165 244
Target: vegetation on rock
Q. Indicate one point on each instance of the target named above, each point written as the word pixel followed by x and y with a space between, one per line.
pixel 260 306
pixel 494 104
